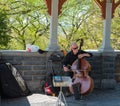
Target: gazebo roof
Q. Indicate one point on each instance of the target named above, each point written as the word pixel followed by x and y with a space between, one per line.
pixel 100 3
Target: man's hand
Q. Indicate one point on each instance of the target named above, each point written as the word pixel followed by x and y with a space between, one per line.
pixel 65 69
pixel 83 55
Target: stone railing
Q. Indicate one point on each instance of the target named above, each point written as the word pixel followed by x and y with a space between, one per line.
pixel 32 66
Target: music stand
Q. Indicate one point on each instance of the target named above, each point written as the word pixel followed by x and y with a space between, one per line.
pixel 61 81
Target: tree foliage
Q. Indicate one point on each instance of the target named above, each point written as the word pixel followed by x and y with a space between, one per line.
pixel 4 30
pixel 29 22
pixel 78 21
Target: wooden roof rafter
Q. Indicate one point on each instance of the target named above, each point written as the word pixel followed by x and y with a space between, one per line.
pixel 48 3
pixel 114 6
pixel 102 6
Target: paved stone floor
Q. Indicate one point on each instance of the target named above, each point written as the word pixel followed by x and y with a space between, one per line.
pixel 96 98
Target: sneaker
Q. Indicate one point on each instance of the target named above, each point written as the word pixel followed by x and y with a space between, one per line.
pixel 67 94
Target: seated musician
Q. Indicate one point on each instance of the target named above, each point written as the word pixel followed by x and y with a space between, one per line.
pixel 71 56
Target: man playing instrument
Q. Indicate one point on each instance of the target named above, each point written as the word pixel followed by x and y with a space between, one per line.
pixel 71 56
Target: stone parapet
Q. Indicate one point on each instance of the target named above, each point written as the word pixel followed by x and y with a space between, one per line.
pixel 34 66
pixel 117 67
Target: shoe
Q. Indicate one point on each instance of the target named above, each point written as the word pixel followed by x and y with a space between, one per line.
pixel 76 89
pixel 67 94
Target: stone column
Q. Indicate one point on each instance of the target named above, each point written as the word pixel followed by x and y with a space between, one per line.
pixel 106 46
pixel 108 71
pixel 108 55
pixel 53 46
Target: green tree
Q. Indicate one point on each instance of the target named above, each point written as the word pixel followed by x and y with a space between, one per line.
pixel 76 22
pixel 4 30
pixel 115 32
pixel 30 23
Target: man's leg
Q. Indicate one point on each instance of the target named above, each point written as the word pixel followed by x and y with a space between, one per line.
pixel 69 73
pixel 76 89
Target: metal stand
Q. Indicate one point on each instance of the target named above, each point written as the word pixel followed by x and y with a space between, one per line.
pixel 60 98
pixel 66 82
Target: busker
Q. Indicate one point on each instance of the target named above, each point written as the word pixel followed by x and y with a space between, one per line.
pixel 69 59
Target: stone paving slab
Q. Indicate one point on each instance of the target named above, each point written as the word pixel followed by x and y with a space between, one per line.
pixel 96 98
pixel 32 100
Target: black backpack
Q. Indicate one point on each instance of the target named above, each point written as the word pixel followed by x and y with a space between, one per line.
pixel 48 87
pixel 55 57
pixel 12 84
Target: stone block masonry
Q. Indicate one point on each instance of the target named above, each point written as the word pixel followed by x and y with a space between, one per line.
pixel 33 67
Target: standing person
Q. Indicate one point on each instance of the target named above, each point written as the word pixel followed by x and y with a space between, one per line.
pixel 71 56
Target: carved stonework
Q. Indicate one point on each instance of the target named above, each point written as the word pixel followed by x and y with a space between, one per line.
pixel 114 6
pixel 102 6
pixel 48 3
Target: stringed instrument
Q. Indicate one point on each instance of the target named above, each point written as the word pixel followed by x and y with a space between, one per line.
pixel 81 69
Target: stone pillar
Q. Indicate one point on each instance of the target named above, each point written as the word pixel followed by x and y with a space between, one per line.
pixel 108 71
pixel 106 46
pixel 53 46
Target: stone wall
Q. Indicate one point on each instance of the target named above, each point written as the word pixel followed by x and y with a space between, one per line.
pixel 117 67
pixel 33 67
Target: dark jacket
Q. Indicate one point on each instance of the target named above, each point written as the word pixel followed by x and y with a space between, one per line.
pixel 70 57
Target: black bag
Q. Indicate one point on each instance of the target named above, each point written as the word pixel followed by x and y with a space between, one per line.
pixel 48 86
pixel 12 84
pixel 55 57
